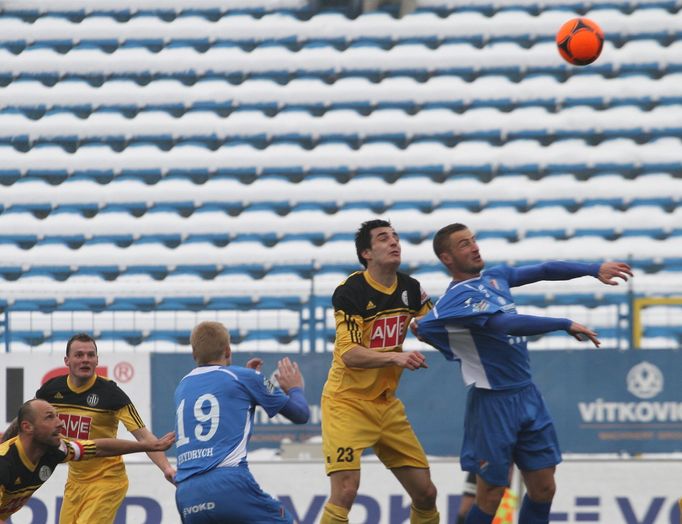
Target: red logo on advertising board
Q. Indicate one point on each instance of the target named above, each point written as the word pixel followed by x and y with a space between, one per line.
pixel 76 426
pixel 388 332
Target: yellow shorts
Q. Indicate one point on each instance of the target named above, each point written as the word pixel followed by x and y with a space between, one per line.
pixel 94 502
pixel 349 426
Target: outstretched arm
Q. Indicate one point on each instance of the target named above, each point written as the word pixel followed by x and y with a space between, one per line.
pixel 524 325
pixel 108 447
pixel 561 270
pixel 556 270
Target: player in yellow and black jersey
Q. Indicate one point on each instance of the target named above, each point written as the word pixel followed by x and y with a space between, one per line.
pixel 34 446
pixel 91 407
pixel 373 310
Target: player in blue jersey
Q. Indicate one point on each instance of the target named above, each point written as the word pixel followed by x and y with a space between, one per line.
pixel 475 322
pixel 215 406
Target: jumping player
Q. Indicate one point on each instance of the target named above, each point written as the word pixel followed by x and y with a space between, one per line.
pixel 360 410
pixel 475 322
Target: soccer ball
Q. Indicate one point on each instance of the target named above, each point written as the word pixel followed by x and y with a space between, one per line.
pixel 580 41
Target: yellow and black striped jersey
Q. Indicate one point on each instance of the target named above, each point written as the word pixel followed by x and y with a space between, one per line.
pixel 20 478
pixel 92 411
pixel 376 317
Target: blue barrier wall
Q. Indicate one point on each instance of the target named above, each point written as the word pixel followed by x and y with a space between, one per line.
pixel 602 401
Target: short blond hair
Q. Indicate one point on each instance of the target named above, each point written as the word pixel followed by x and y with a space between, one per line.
pixel 209 340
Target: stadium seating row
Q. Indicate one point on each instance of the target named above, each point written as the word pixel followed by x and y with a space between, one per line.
pixel 248 32
pixel 325 193
pixel 392 126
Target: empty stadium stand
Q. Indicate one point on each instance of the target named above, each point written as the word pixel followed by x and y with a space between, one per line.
pixel 165 163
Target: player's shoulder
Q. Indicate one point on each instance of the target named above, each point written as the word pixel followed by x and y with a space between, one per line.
pixel 500 270
pixel 52 385
pixel 106 394
pixel 408 281
pixel 353 281
pixel 6 447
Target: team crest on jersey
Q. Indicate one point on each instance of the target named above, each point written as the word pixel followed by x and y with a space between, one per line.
pixel 493 282
pixel 269 384
pixel 403 297
pixel 44 473
pixel 92 399
pixel 481 306
pixel 388 331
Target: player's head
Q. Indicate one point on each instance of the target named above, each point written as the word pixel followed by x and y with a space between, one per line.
pixel 38 419
pixel 81 356
pixel 210 343
pixel 376 242
pixel 455 246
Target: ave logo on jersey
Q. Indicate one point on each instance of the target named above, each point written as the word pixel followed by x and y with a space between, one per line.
pixel 388 331
pixel 76 426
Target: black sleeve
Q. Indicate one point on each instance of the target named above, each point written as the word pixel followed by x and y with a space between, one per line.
pixel 4 473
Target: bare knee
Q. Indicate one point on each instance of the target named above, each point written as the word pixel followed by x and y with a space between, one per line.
pixel 344 488
pixel 540 484
pixel 542 492
pixel 489 498
pixel 426 497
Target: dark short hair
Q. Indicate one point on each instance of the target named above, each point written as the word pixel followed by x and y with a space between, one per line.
pixel 442 238
pixel 80 337
pixel 363 236
pixel 26 412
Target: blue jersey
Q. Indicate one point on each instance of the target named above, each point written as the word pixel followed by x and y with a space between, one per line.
pixel 490 360
pixel 215 406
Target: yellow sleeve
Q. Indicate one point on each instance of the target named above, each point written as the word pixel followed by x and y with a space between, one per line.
pixel 426 307
pixel 348 331
pixel 130 417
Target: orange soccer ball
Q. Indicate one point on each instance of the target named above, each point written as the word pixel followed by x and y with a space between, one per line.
pixel 580 41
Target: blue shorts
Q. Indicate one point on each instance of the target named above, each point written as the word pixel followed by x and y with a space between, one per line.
pixel 505 427
pixel 227 496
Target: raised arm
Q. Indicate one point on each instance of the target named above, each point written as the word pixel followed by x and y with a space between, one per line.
pixel 291 381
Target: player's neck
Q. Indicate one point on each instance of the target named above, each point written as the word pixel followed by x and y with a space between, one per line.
pixel 459 276
pixel 79 382
pixel 33 450
pixel 383 275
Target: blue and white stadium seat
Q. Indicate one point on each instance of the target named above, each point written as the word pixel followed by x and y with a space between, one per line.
pixel 164 164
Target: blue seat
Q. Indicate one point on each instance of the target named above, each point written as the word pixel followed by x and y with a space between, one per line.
pixel 105 272
pixel 44 305
pixel 157 272
pixel 217 239
pixel 59 273
pixel 182 303
pixel 23 241
pixel 94 304
pixel 205 271
pixel 180 337
pixel 11 273
pixel 133 304
pixel 120 240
